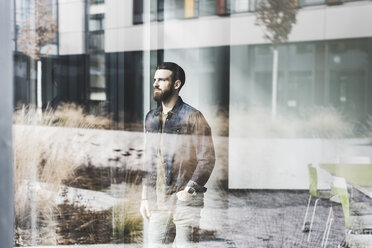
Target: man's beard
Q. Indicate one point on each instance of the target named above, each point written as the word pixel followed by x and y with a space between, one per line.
pixel 162 95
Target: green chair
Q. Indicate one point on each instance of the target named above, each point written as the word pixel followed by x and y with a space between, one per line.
pixel 337 194
pixel 318 195
pixel 357 215
pixel 340 195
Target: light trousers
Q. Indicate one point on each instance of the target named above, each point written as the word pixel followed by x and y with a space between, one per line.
pixel 184 215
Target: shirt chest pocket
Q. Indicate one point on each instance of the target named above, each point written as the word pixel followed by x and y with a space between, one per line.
pixel 178 130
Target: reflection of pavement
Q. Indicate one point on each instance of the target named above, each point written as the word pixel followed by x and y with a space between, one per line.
pixel 92 246
pixel 268 219
pixel 258 219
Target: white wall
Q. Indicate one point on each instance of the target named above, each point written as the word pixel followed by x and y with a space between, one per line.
pixel 71 26
pixel 282 163
pixel 349 20
pixel 118 17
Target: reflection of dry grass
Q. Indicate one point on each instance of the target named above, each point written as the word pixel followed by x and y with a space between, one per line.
pixel 44 155
pixel 369 128
pixel 327 123
pixel 57 156
pixel 218 119
pixel 39 156
pixel 127 221
pixel 318 122
pixel 78 225
pixel 66 115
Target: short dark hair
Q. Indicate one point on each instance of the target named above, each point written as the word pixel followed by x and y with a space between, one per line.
pixel 177 72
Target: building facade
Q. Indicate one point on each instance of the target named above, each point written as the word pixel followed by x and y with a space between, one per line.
pixel 106 51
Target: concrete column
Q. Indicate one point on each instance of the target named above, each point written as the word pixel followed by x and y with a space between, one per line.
pixel 6 109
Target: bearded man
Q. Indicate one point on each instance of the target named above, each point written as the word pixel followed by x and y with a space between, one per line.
pixel 179 159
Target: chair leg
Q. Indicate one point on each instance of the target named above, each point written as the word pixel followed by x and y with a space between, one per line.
pixel 328 228
pixel 312 219
pixel 307 210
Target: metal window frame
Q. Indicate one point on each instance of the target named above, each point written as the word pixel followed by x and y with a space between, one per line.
pixel 6 108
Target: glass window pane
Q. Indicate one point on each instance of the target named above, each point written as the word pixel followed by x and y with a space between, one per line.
pixel 97 96
pixel 310 2
pixel 97 71
pixel 96 41
pixel 105 65
pixel 97 80
pixel 223 7
pixel 97 2
pixel 240 5
pixel 137 11
pixel 96 22
pixel 191 8
pixel 207 7
pixel 174 9
pixel 299 91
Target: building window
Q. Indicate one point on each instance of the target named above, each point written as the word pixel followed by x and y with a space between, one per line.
pixel 96 2
pixel 304 48
pixel 207 7
pixel 156 11
pixel 97 79
pixel 95 48
pixel 97 22
pixel 348 81
pixel 137 11
pixel 180 9
pixel 190 9
pixel 96 26
pixel 160 10
pixel 310 2
pixel 173 9
pixel 223 7
pixel 96 41
pixel 299 91
pixel 240 6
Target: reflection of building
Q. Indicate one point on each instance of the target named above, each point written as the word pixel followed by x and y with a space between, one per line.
pixel 28 15
pixel 106 50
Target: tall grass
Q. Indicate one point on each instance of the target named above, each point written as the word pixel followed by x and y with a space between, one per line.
pixel 369 128
pixel 65 115
pixel 316 122
pixel 322 122
pixel 43 154
pixel 127 227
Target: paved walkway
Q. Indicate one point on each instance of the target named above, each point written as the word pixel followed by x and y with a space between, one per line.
pixel 270 219
pixel 259 219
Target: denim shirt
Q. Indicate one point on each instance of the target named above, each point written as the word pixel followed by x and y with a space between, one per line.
pixel 188 150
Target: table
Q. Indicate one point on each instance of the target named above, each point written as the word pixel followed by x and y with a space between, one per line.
pixel 357 175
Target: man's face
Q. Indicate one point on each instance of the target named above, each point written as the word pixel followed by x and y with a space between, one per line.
pixel 163 86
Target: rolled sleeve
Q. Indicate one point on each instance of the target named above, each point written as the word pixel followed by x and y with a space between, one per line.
pixel 204 150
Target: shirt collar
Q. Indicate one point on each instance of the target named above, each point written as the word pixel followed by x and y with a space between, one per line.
pixel 173 111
